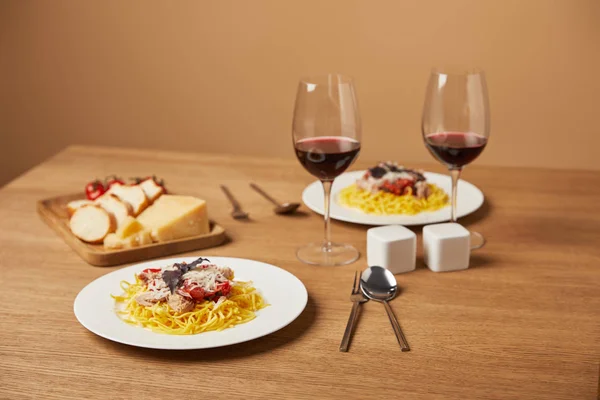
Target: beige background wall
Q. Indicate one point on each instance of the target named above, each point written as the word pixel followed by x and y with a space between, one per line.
pixel 221 75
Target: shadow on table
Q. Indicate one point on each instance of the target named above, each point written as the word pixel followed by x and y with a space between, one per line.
pixel 483 212
pixel 298 214
pixel 476 261
pixel 480 260
pixel 261 345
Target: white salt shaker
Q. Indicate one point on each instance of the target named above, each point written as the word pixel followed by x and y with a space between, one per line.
pixel 393 247
pixel 446 247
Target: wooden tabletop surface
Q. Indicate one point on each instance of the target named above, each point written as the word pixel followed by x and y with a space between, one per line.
pixel 522 323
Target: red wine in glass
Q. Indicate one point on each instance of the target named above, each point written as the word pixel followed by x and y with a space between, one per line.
pixel 326 133
pixel 456 124
pixel 326 157
pixel 455 149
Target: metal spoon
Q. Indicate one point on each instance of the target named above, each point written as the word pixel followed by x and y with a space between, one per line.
pixel 379 284
pixel 237 212
pixel 285 208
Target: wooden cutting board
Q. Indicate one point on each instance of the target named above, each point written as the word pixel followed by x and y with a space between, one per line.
pixel 54 213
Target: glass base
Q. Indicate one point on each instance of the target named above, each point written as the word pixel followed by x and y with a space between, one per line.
pixel 319 254
pixel 477 240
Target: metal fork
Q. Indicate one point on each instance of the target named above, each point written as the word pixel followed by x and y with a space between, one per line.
pixel 237 212
pixel 356 297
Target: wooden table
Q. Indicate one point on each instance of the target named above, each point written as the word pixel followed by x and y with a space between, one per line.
pixel 522 323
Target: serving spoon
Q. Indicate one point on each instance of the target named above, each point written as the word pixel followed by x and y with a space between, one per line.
pixel 285 208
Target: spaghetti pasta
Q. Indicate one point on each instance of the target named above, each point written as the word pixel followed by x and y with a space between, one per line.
pixel 237 308
pixel 385 203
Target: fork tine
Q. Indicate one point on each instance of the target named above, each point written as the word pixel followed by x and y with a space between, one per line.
pixel 354 283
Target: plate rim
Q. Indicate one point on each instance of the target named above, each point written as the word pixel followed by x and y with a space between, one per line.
pixel 80 296
pixel 319 210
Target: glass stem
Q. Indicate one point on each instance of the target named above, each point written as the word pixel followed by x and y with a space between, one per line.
pixel 455 174
pixel 327 196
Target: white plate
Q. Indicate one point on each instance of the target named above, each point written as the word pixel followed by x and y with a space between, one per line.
pixel 287 296
pixel 470 198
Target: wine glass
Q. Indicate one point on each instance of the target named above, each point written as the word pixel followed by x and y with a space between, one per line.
pixel 456 124
pixel 326 133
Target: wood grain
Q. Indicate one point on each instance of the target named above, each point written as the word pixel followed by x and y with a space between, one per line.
pixel 522 323
pixel 53 212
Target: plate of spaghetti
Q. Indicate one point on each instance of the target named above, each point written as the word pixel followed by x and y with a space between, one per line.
pixel 191 303
pixel 390 194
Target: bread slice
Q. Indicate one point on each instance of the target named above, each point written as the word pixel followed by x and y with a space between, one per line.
pixel 132 195
pixel 75 204
pixel 91 224
pixel 152 190
pixel 115 207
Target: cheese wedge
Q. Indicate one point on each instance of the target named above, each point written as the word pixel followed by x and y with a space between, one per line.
pixel 143 237
pixel 128 227
pixel 173 217
pixel 113 242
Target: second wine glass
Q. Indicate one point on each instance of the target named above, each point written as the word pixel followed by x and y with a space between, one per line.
pixel 456 124
pixel 326 133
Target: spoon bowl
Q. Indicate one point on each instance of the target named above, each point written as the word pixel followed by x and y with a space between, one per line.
pixel 286 208
pixel 378 283
pixel 239 214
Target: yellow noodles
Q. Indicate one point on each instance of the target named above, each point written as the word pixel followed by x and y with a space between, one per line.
pixel 239 308
pixel 384 203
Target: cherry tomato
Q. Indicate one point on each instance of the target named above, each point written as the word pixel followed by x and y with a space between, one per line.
pixel 159 182
pixel 94 189
pixel 402 183
pixel 388 187
pixel 224 288
pixel 398 187
pixel 149 270
pixel 113 180
pixel 197 293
